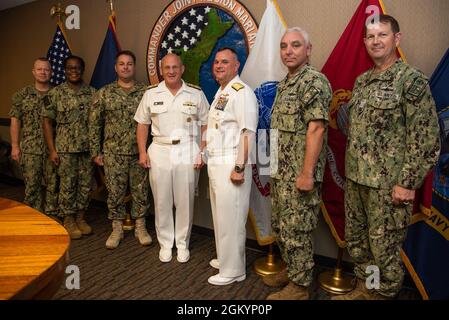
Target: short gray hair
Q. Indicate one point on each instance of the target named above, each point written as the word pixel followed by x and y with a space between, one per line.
pixel 301 31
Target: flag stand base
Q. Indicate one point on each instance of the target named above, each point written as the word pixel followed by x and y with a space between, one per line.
pixel 269 264
pixel 335 281
pixel 128 224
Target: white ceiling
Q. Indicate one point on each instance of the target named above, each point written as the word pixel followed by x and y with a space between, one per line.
pixel 5 4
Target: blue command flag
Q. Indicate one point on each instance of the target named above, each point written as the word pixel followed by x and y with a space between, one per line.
pixel 427 245
pixel 104 72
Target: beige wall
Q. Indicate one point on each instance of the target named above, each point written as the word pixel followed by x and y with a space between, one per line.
pixel 26 32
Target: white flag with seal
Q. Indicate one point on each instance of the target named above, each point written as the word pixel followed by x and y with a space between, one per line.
pixel 262 72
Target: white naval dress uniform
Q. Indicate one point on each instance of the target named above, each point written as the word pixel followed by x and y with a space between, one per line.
pixel 233 109
pixel 175 126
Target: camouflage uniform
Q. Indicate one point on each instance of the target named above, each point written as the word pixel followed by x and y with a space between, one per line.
pixel 112 131
pixel 27 106
pixel 70 110
pixel 52 182
pixel 393 140
pixel 299 100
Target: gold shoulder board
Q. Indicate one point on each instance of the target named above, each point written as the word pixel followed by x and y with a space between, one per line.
pixel 237 86
pixel 193 86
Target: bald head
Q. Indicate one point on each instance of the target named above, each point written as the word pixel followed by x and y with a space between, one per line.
pixel 172 70
pixel 171 58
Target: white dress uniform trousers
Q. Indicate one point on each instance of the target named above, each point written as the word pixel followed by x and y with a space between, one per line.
pixel 173 180
pixel 175 127
pixel 233 110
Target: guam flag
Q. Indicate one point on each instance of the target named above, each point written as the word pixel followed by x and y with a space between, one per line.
pixel 426 249
pixel 262 72
pixel 104 72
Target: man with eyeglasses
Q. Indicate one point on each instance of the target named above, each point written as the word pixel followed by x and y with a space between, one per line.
pixel 69 104
pixel 393 142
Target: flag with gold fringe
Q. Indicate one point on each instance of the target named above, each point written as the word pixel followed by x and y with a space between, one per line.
pixel 262 72
pixel 104 72
pixel 58 51
pixel 426 249
pixel 347 61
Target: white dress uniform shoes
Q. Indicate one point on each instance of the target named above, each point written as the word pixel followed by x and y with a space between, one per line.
pixel 183 255
pixel 217 280
pixel 214 263
pixel 165 255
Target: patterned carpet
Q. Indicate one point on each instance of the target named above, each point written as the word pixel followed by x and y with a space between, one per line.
pixel 135 272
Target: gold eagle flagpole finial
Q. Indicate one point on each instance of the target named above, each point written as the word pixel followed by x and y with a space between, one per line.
pixel 56 10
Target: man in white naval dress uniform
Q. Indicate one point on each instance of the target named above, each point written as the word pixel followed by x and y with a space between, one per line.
pixel 177 112
pixel 232 126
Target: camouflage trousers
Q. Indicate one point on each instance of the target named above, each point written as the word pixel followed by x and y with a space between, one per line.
pixel 52 191
pixel 32 171
pixel 121 171
pixel 294 217
pixel 33 168
pixel 75 171
pixel 375 230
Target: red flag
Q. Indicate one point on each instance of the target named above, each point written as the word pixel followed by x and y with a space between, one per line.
pixel 347 61
pixel 423 198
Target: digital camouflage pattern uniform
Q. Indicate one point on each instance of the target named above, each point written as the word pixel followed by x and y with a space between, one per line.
pixel 27 106
pixel 112 132
pixel 70 108
pixel 393 140
pixel 299 100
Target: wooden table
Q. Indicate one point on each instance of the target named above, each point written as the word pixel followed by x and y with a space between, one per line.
pixel 33 252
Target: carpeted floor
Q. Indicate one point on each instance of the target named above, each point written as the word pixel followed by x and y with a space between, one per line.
pixel 135 272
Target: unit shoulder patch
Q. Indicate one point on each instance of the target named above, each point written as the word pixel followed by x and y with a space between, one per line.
pixel 416 89
pixel 310 95
pixel 237 86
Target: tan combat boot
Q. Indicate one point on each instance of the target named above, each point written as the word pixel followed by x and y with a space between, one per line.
pixel 276 280
pixel 141 232
pixel 82 224
pixel 291 292
pixel 71 227
pixel 116 235
pixel 360 292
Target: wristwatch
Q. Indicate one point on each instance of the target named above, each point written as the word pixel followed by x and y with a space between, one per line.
pixel 239 169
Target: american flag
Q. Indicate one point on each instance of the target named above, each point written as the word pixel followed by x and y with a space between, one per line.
pixel 185 31
pixel 59 50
